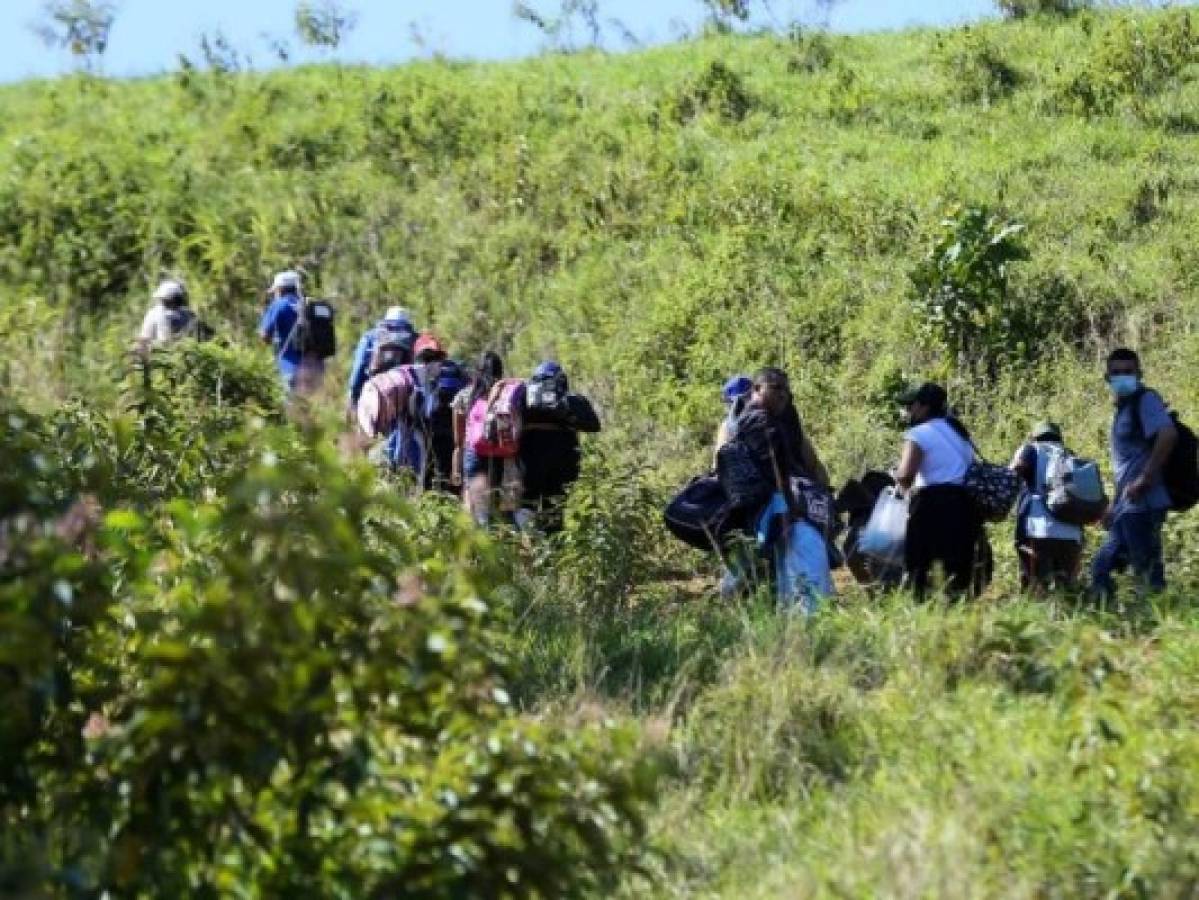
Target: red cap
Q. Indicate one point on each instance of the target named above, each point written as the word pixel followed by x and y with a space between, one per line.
pixel 427 349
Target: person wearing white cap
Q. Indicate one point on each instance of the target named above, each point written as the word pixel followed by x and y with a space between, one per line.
pixel 395 333
pixel 280 327
pixel 169 318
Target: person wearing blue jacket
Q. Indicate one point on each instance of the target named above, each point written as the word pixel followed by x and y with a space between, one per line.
pixel 396 323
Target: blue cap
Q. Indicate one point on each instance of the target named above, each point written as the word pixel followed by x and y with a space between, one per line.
pixel 737 386
pixel 548 369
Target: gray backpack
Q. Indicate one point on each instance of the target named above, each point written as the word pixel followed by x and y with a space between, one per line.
pixel 1074 491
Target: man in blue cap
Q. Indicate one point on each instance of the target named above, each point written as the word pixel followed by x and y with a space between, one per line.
pixel 549 446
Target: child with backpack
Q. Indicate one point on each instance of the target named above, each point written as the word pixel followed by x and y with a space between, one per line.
pixel 1154 458
pixel 1060 495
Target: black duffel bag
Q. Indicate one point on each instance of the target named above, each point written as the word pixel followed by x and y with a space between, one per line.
pixel 701 514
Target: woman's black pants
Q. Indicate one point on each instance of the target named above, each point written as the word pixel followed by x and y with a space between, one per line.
pixel 943 526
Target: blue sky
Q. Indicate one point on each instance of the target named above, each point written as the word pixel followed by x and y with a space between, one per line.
pixel 149 34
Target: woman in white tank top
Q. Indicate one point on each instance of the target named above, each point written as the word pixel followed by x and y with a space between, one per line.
pixel 943 524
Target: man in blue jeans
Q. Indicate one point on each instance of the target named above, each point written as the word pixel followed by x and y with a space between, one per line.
pixel 1142 436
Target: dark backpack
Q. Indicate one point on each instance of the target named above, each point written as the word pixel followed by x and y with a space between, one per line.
pixel 701 514
pixel 392 347
pixel 180 320
pixel 317 337
pixel 1180 473
pixel 547 393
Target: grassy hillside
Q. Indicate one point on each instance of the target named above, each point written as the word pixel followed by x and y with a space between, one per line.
pixel 659 221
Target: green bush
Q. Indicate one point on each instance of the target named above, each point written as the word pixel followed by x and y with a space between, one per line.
pixel 960 289
pixel 1021 9
pixel 286 689
pixel 1135 58
pixel 973 65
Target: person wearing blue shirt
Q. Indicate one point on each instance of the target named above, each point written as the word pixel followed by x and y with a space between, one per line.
pixel 396 320
pixel 279 328
pixel 1142 436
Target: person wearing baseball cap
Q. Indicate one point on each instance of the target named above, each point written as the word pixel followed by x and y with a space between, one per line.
pixel 169 318
pixel 1049 550
pixel 279 327
pixel 394 332
pixel 943 525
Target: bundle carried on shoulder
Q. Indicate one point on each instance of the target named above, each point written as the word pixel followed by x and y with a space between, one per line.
pixel 701 516
pixel 386 397
pixel 744 465
pixel 495 422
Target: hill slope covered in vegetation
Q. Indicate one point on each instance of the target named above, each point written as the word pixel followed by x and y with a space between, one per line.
pixel 995 207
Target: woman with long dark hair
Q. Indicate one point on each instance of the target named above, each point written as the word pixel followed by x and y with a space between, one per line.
pixel 943 522
pixel 481 476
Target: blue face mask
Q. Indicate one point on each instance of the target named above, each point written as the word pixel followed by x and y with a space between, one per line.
pixel 1123 385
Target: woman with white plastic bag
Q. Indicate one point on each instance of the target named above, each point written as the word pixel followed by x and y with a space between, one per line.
pixel 944 524
pixel 883 537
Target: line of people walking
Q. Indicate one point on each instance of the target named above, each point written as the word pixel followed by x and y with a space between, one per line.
pixel 770 493
pixel 509 447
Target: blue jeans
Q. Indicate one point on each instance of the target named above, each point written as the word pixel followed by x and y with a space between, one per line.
pixel 1135 539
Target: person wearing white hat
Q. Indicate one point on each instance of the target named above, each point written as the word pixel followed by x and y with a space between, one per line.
pixel 280 327
pixel 394 333
pixel 169 318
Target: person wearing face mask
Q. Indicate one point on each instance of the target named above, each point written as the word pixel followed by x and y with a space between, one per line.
pixel 1142 436
pixel 943 523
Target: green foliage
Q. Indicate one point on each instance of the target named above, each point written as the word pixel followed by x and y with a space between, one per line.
pixel 973 64
pixel 323 23
pixel 719 90
pixel 283 688
pixel 1135 58
pixel 611 516
pixel 1020 9
pixel 657 221
pixel 961 292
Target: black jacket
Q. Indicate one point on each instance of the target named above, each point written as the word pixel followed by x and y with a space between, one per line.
pixel 549 448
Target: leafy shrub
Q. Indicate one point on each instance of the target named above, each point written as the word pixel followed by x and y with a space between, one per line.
pixel 973 65
pixel 960 290
pixel 285 688
pixel 611 528
pixel 810 51
pixel 718 89
pixel 1136 57
pixel 1021 9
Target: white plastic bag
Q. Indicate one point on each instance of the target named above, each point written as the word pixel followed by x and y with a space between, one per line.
pixel 882 538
